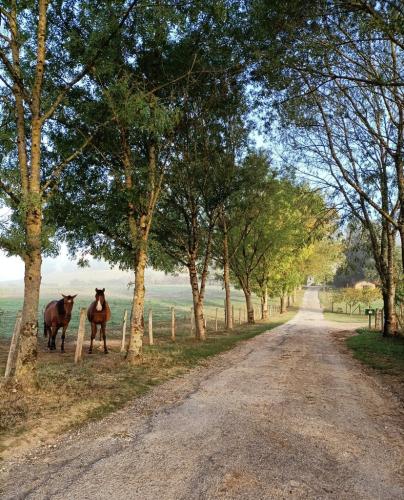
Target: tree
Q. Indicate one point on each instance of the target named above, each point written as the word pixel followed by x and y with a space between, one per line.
pixel 143 86
pixel 272 222
pixel 323 258
pixel 196 187
pixel 253 209
pixel 351 134
pixel 358 263
pixel 36 83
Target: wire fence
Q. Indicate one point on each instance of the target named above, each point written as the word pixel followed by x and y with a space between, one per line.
pixel 161 325
pixel 162 318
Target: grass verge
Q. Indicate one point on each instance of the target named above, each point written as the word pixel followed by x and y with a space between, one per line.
pixel 385 354
pixel 70 394
pixel 346 318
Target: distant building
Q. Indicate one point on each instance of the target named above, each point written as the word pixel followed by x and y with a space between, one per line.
pixel 359 285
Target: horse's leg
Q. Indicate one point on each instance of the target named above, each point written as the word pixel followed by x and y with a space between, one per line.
pixel 104 336
pixel 93 335
pixel 54 331
pixel 49 333
pixel 62 348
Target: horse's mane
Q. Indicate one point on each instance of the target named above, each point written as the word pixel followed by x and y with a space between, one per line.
pixel 61 306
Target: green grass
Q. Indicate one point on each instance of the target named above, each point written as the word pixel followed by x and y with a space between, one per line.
pixel 346 318
pixel 158 297
pixel 385 354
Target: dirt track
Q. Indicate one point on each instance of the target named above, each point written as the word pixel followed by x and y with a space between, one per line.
pixel 284 415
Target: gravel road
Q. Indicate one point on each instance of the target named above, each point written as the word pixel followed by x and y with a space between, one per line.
pixel 283 415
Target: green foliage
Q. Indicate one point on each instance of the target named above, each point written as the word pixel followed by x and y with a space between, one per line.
pixel 366 296
pixel 274 224
pixel 152 89
pixel 323 259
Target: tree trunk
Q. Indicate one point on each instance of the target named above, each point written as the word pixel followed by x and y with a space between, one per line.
pixel 264 304
pixel 390 320
pixel 389 291
pixel 249 305
pixel 25 373
pixel 135 348
pixel 226 279
pixel 200 331
pixel 139 233
pixel 284 308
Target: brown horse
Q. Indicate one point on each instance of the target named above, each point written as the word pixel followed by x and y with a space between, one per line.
pixel 57 314
pixel 98 314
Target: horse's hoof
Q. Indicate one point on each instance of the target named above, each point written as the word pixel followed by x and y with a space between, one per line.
pixel 62 351
pixel 90 352
pixel 106 352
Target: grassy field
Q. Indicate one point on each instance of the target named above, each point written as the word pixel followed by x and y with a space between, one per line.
pixel 71 394
pixel 160 298
pixel 385 354
pixel 347 318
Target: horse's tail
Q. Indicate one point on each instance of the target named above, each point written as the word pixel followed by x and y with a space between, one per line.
pixel 45 329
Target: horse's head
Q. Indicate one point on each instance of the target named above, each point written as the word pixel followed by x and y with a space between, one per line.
pixel 100 299
pixel 68 301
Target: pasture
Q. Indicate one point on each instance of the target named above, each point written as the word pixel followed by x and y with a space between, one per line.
pixel 159 298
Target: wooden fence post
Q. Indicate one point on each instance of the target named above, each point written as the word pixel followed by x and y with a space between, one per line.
pixel 12 353
pixel 80 335
pixel 150 328
pixel 125 319
pixel 173 324
pixel 216 321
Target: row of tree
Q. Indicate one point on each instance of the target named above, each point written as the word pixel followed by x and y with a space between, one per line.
pixel 125 131
pixel 343 114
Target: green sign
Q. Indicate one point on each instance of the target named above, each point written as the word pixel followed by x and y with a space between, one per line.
pixel 370 312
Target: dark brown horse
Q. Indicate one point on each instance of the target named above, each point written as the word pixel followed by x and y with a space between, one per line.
pixel 98 314
pixel 57 315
